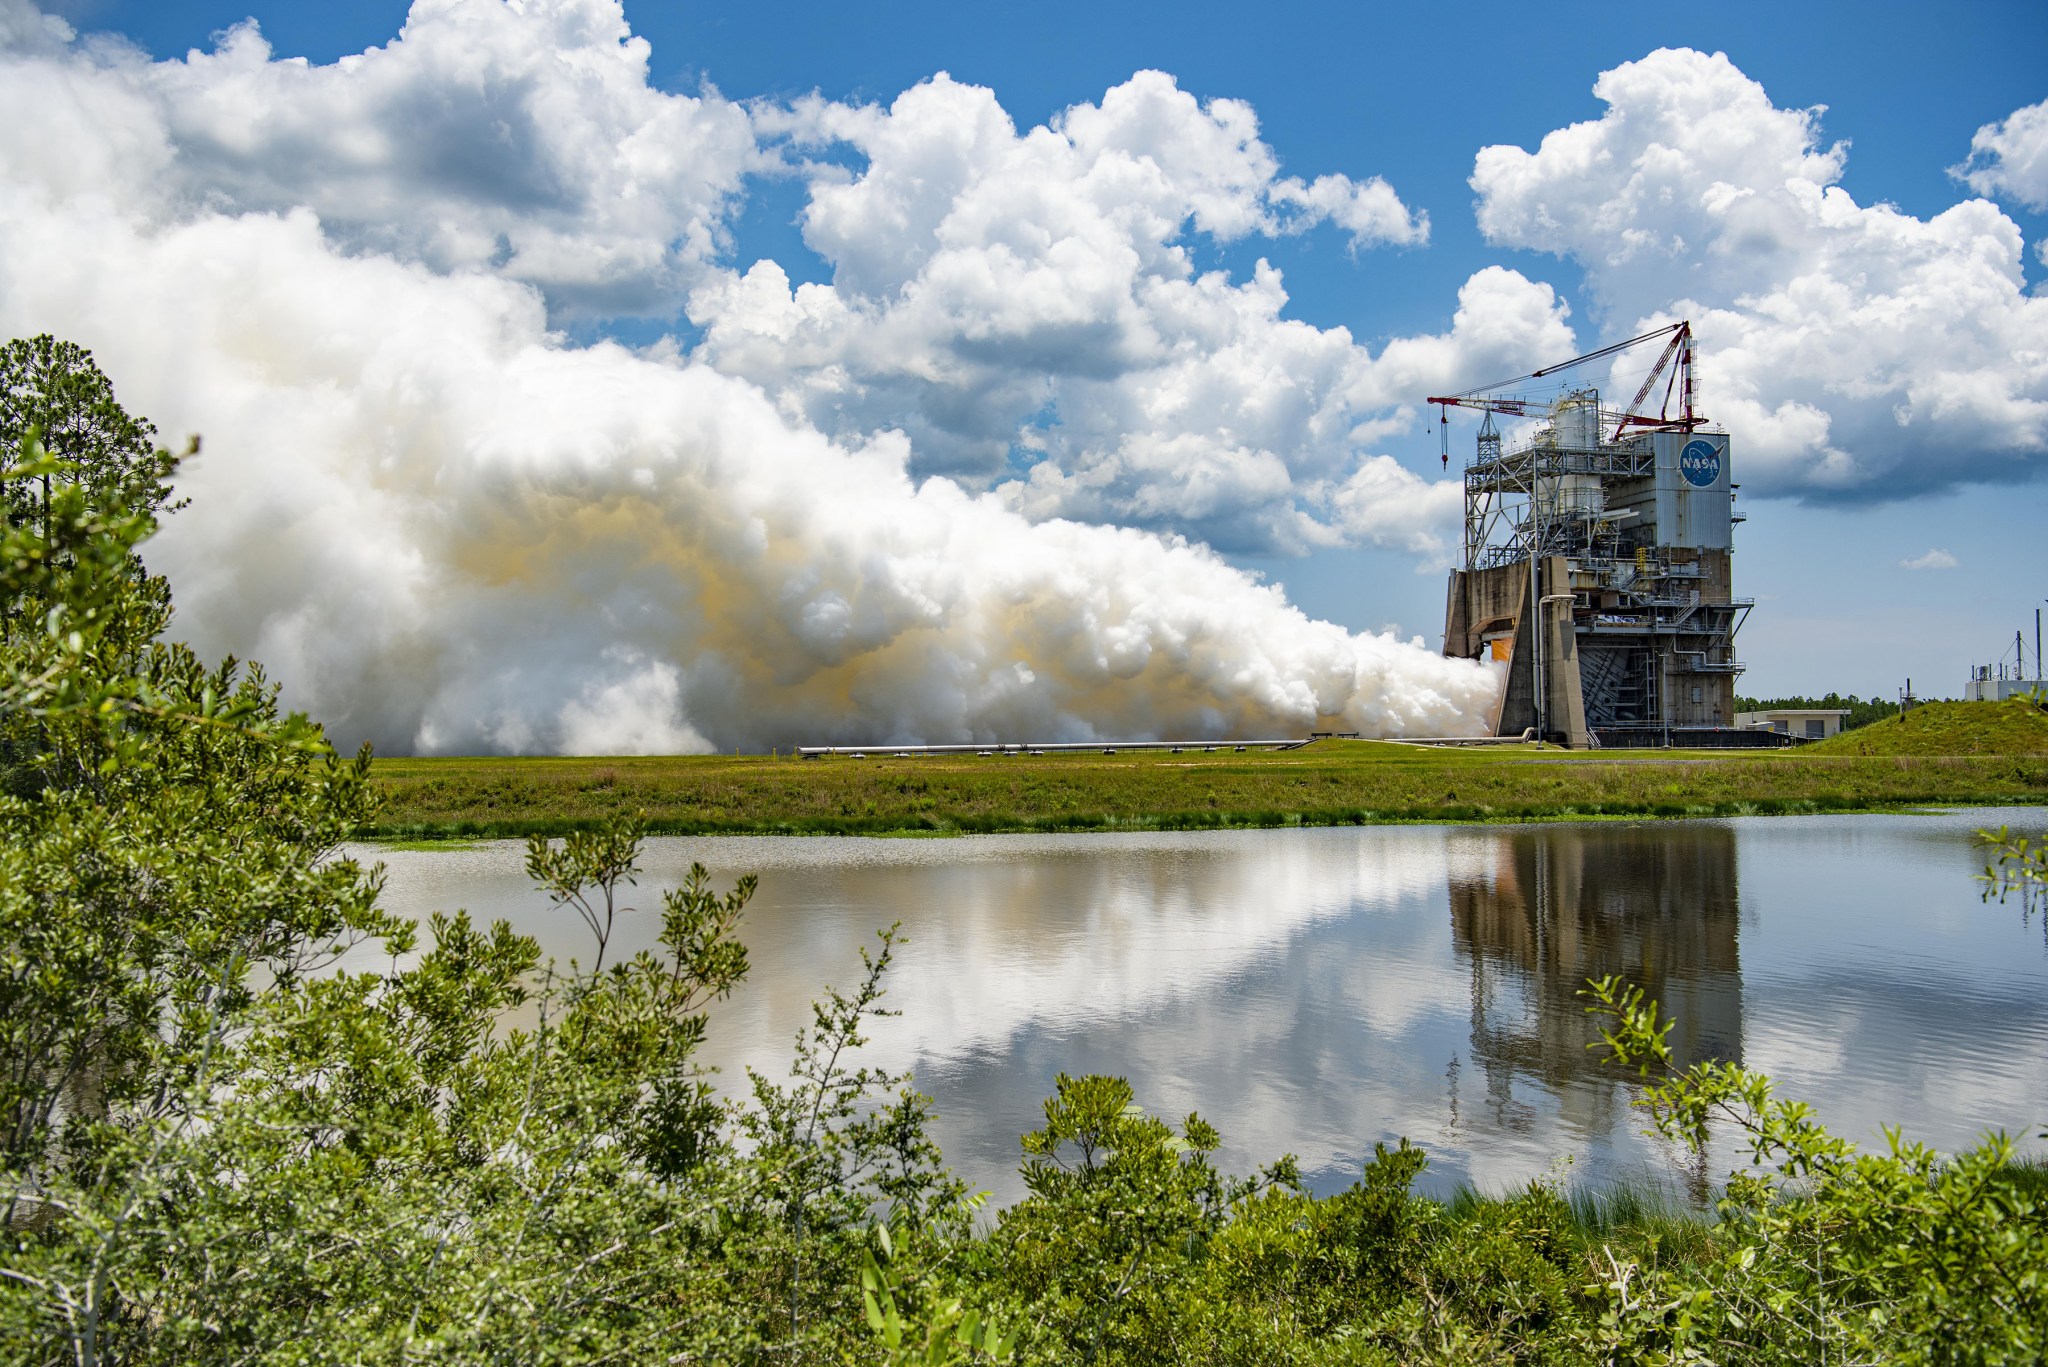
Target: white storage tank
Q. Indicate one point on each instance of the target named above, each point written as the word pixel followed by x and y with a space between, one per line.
pixel 1576 420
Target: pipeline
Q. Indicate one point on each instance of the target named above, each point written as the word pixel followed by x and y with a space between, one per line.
pixel 1525 738
pixel 1107 747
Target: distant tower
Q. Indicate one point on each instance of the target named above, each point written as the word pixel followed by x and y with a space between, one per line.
pixel 1597 566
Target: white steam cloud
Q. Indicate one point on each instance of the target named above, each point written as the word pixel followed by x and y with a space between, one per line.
pixel 444 529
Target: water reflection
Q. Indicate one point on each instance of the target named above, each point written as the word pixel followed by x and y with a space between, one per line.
pixel 1535 913
pixel 1317 991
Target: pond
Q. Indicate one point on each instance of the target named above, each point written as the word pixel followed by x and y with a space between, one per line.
pixel 1317 991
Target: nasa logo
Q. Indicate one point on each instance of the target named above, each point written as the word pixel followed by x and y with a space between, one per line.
pixel 1700 463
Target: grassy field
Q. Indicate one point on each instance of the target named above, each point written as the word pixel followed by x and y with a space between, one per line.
pixel 1995 755
pixel 2014 727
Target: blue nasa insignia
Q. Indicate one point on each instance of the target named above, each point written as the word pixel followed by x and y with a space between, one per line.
pixel 1700 463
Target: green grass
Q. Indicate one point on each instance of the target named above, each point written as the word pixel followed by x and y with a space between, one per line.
pixel 1642 1218
pixel 1329 783
pixel 1653 1221
pixel 2013 727
pixel 2029 1176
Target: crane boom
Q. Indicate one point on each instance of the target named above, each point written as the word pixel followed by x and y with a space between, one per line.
pixel 1679 337
pixel 1678 343
pixel 1517 408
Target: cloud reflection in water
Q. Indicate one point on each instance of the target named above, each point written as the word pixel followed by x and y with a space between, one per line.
pixel 1314 991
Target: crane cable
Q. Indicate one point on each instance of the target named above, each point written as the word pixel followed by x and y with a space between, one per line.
pixel 1576 360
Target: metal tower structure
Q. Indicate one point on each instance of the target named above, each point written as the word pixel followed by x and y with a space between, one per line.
pixel 1597 560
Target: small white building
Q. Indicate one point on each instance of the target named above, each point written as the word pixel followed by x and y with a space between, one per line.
pixel 1808 723
pixel 1984 688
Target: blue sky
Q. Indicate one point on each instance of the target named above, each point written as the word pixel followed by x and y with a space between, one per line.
pixel 1411 94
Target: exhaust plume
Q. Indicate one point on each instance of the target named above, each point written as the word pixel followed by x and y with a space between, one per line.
pixel 445 532
pixel 445 529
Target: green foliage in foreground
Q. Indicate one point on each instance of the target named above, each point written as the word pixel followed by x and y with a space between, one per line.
pixel 253 1119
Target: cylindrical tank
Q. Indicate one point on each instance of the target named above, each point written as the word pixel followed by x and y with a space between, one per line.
pixel 1571 496
pixel 1576 419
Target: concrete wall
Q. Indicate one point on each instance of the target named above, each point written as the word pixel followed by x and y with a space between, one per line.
pixel 1495 603
pixel 1483 603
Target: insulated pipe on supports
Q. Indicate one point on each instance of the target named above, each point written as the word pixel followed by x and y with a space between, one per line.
pixel 1542 649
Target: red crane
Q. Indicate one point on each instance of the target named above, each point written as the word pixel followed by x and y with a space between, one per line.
pixel 1678 344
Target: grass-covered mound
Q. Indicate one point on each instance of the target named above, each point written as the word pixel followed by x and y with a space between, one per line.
pixel 2013 727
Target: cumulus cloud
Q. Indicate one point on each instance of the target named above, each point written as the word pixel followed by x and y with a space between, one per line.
pixel 1855 351
pixel 1028 307
pixel 524 139
pixel 2009 159
pixel 1384 503
pixel 1935 559
pixel 25 28
pixel 444 529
